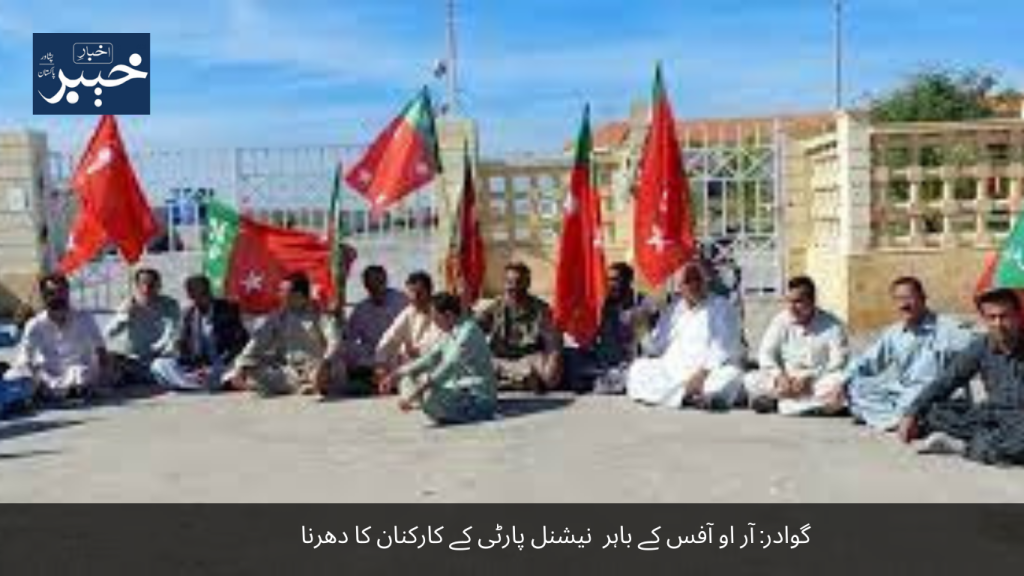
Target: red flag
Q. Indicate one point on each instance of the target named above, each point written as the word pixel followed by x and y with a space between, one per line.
pixel 987 279
pixel 663 224
pixel 86 240
pixel 110 194
pixel 466 257
pixel 247 260
pixel 403 158
pixel 581 283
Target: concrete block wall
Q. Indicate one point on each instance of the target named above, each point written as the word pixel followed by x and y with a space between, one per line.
pixel 23 157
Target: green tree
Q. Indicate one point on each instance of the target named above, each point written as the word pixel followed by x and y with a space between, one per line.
pixel 942 95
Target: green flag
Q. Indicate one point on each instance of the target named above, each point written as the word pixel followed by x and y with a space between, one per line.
pixel 1010 267
pixel 223 224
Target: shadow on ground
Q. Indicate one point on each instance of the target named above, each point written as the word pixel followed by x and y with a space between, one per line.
pixel 18 428
pixel 8 456
pixel 520 406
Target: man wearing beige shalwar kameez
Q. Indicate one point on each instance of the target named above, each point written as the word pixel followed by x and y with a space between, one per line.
pixel 296 350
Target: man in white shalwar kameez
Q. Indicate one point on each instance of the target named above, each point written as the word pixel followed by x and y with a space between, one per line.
pixel 695 352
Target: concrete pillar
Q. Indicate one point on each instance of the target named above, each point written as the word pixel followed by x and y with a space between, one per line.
pixel 854 147
pixel 794 203
pixel 949 209
pixel 23 157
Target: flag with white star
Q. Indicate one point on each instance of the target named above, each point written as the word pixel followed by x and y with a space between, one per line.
pixel 246 260
pixel 402 159
pixel 664 238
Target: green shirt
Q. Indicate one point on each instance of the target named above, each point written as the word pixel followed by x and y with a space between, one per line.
pixel 461 361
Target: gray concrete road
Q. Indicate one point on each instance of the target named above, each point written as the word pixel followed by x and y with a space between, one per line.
pixel 236 448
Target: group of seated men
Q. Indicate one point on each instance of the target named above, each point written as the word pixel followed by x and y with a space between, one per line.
pixel 927 377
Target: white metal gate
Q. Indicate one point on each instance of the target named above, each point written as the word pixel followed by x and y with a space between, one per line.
pixel 286 186
pixel 736 182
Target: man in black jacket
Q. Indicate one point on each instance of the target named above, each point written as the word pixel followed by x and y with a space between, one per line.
pixel 212 334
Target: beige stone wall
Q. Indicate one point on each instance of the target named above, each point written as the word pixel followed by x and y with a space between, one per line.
pixel 949 276
pixel 868 204
pixel 22 179
pixel 523 212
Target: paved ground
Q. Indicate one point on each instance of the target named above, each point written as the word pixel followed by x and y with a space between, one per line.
pixel 233 448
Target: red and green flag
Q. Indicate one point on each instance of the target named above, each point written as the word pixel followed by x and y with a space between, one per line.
pixel 466 261
pixel 581 284
pixel 246 260
pixel 1005 269
pixel 403 158
pixel 663 237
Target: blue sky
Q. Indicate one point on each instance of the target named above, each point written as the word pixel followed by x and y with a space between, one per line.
pixel 273 73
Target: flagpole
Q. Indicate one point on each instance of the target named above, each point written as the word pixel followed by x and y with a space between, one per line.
pixel 343 266
pixel 335 236
pixel 838 53
pixel 452 57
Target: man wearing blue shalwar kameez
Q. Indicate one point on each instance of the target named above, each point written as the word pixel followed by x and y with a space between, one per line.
pixel 888 377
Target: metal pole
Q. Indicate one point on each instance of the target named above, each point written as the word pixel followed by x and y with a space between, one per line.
pixel 452 75
pixel 838 15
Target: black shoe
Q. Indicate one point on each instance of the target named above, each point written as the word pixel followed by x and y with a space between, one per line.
pixel 764 405
pixel 715 404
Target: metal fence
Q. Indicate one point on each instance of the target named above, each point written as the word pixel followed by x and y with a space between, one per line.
pixel 736 187
pixel 734 172
pixel 285 186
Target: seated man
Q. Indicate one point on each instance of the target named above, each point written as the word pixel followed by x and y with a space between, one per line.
pixel 366 326
pixel 211 336
pixel 413 332
pixel 694 354
pixel 62 350
pixel 454 382
pixel 883 382
pixel 988 430
pixel 295 350
pixel 145 328
pixel 624 314
pixel 802 358
pixel 526 347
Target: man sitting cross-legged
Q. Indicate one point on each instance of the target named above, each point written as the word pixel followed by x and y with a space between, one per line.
pixel 454 382
pixel 883 381
pixel 365 327
pixel 412 333
pixel 625 314
pixel 62 351
pixel 526 347
pixel 296 349
pixel 694 355
pixel 989 430
pixel 144 329
pixel 802 358
pixel 211 336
